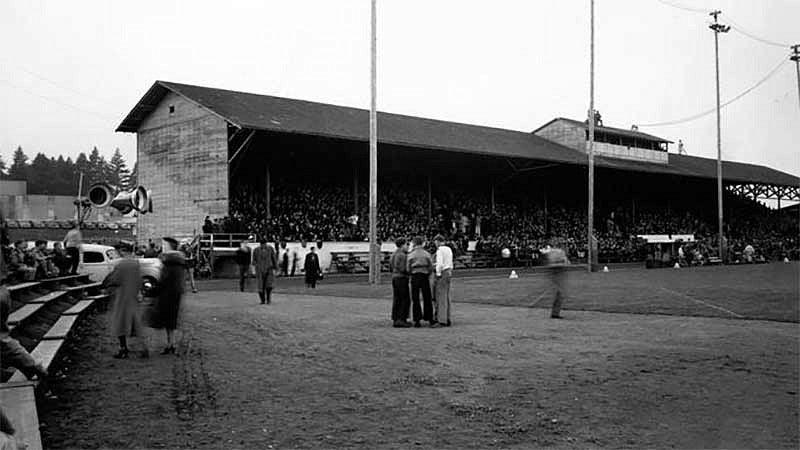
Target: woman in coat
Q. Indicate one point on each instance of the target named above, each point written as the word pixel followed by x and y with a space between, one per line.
pixel 311 268
pixel 124 318
pixel 170 291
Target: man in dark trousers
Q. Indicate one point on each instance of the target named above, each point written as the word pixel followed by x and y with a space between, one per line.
pixel 400 295
pixel 556 265
pixel 311 268
pixel 266 262
pixel 420 265
pixel 243 261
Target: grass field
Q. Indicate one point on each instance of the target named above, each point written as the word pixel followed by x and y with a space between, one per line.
pixel 324 370
pixel 766 291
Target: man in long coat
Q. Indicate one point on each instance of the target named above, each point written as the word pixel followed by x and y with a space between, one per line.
pixel 266 262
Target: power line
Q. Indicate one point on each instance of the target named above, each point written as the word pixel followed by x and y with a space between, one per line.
pixel 54 83
pixel 707 112
pixel 59 102
pixel 738 28
pixel 685 8
pixel 741 30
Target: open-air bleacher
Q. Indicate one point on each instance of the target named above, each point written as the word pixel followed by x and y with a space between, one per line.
pixel 44 315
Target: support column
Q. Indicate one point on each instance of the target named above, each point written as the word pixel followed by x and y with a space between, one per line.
pixel 269 192
pixel 493 209
pixel 355 188
pixel 430 197
pixel 546 216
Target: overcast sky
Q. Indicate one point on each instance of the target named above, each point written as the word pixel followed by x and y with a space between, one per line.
pixel 70 71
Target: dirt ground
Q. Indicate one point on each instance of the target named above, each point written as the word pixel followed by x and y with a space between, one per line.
pixel 328 372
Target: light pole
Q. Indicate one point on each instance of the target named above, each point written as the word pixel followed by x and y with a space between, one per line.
pixel 374 251
pixel 719 28
pixel 590 145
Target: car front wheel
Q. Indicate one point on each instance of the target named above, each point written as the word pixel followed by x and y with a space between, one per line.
pixel 148 286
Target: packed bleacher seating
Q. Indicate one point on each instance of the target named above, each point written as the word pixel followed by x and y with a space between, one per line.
pixel 325 212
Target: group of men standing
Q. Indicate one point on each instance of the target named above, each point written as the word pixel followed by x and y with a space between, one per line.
pixel 416 266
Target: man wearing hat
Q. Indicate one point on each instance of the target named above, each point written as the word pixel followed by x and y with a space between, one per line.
pixel 266 262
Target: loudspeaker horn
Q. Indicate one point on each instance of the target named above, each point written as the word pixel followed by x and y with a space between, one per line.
pixel 102 195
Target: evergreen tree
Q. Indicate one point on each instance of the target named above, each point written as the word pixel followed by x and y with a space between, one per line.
pixel 40 176
pixel 118 171
pixel 133 179
pixel 3 168
pixel 19 165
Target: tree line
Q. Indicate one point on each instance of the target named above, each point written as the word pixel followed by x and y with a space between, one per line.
pixel 59 176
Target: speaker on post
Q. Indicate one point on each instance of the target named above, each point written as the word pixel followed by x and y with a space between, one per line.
pixel 102 195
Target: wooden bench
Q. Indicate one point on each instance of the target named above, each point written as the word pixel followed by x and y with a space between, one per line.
pixel 24 313
pixel 78 308
pixel 48 297
pixel 67 280
pixel 22 286
pixel 61 329
pixel 83 287
pixel 19 405
pixel 45 353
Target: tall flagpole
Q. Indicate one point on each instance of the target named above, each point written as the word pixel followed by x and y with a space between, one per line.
pixel 590 147
pixel 374 252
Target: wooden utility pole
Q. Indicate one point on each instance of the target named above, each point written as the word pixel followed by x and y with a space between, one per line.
pixel 374 251
pixel 590 147
pixel 796 58
pixel 719 28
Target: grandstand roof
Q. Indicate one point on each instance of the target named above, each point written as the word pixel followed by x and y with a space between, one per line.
pixel 611 130
pixel 277 114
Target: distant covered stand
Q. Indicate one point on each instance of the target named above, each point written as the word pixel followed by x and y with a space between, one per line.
pixel 200 147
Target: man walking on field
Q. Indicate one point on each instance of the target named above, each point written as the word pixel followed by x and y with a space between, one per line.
pixel 556 265
pixel 444 272
pixel 266 263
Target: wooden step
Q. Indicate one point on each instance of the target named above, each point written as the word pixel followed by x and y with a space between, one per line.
pixel 62 328
pixel 19 405
pixel 21 314
pixel 48 297
pixel 45 353
pixel 78 308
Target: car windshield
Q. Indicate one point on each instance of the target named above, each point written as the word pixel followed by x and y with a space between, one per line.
pixel 112 254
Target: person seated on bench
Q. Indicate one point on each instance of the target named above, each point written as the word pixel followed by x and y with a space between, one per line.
pixel 18 269
pixel 12 353
pixel 8 440
pixel 42 261
pixel 61 259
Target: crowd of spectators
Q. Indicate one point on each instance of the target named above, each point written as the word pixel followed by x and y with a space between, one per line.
pixel 37 262
pixel 326 212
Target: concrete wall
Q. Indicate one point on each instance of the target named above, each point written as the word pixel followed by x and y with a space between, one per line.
pixel 183 161
pixel 49 207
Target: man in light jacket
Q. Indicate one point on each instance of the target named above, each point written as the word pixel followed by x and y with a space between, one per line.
pixel 444 271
